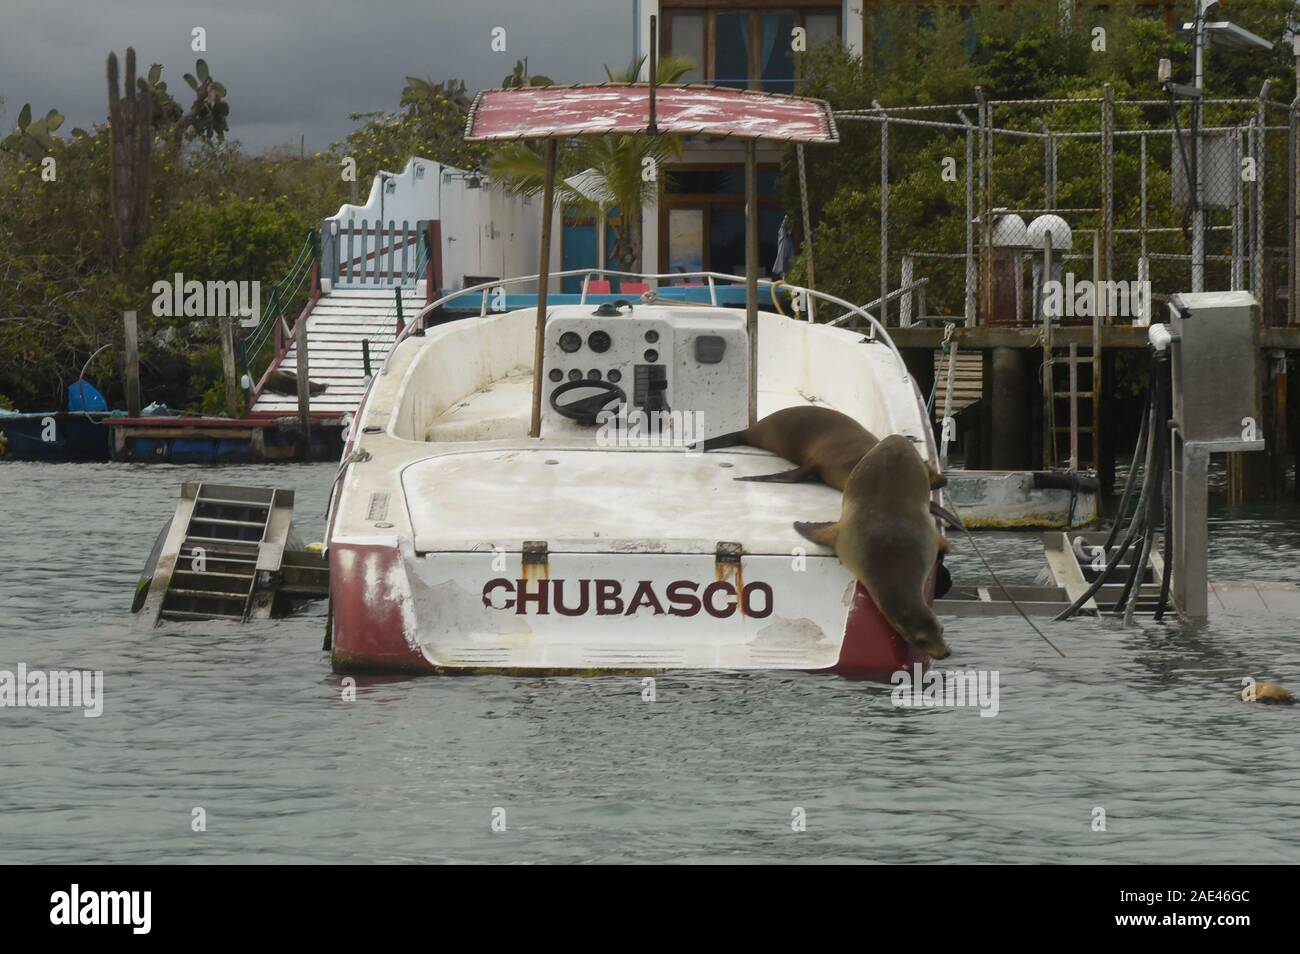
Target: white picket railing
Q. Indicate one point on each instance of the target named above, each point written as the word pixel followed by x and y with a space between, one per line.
pixel 361 253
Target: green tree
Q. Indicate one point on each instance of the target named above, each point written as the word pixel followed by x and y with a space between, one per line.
pixel 627 167
pixel 431 123
pixel 520 77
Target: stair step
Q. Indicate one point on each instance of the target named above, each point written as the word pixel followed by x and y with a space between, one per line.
pixel 226 521
pixel 188 614
pixel 233 503
pixel 223 595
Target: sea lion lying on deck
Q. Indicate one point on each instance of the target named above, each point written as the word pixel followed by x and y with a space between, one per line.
pixel 887 538
pixel 821 443
pixel 286 382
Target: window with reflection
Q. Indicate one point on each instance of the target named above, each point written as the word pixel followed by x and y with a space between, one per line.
pixel 746 49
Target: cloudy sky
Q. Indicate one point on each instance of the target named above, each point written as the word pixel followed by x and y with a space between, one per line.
pixel 296 67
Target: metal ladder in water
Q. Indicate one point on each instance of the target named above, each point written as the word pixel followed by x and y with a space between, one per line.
pixel 1063 444
pixel 223 549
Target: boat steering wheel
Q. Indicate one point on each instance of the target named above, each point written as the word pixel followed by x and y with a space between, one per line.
pixel 585 410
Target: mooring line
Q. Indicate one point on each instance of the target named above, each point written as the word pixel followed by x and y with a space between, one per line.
pixel 1011 599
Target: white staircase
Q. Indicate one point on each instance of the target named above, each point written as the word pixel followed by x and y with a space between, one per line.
pixel 336 327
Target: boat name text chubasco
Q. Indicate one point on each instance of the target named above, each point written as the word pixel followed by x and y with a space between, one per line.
pixel 720 599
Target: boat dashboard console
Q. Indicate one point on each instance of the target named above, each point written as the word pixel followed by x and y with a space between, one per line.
pixel 660 368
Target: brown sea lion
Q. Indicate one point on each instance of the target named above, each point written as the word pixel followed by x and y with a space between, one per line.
pixel 821 442
pixel 286 382
pixel 887 538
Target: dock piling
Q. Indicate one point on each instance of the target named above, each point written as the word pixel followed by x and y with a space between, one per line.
pixel 228 365
pixel 304 390
pixel 132 365
pixel 1010 386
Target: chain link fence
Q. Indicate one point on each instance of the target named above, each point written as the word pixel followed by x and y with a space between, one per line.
pixel 967 191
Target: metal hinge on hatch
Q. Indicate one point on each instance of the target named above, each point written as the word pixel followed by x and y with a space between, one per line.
pixel 728 553
pixel 535 553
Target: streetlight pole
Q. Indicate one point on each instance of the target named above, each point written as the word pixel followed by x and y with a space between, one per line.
pixel 1198 213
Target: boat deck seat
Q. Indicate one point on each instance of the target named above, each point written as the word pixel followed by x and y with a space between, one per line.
pixel 501 410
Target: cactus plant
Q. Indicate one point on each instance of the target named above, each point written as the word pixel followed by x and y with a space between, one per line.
pixel 208 116
pixel 520 77
pixel 131 139
pixel 166 111
pixel 34 139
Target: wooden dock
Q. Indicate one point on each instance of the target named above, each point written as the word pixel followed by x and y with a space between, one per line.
pixel 184 439
pixel 1008 422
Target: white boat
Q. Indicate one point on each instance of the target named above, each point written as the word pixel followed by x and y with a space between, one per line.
pixel 490 515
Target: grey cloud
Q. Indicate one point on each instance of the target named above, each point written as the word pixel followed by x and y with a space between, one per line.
pixel 297 67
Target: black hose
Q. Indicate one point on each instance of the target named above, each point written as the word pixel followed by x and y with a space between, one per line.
pixel 1129 482
pixel 1137 574
pixel 1098 583
pixel 1156 473
pixel 1140 511
pixel 1142 515
pixel 1145 516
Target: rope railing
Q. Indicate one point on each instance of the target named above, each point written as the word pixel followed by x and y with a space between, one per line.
pixel 283 294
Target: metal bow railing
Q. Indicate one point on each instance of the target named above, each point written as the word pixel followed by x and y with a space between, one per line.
pixel 486 291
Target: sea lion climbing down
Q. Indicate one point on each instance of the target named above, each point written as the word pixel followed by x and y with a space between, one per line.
pixel 887 538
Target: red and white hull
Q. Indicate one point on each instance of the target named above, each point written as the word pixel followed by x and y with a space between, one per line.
pixel 459 544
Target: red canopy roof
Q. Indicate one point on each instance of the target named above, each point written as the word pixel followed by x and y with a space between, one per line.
pixel 546 112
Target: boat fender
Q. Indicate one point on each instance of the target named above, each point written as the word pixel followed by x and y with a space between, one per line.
pixel 1066 480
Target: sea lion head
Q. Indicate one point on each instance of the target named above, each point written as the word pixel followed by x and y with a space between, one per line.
pixel 923 630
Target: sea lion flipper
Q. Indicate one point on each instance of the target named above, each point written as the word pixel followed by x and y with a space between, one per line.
pixel 937 480
pixel 800 473
pixel 823 531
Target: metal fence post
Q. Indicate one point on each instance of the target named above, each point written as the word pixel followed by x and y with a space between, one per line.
pixel 1144 264
pixel 969 309
pixel 884 214
pixel 1108 181
pixel 1258 140
pixel 1238 215
pixel 986 187
pixel 1293 207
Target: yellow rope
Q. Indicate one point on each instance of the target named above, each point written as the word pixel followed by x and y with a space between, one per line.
pixel 776 301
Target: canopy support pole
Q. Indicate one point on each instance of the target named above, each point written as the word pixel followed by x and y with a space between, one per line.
pixel 751 270
pixel 543 283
